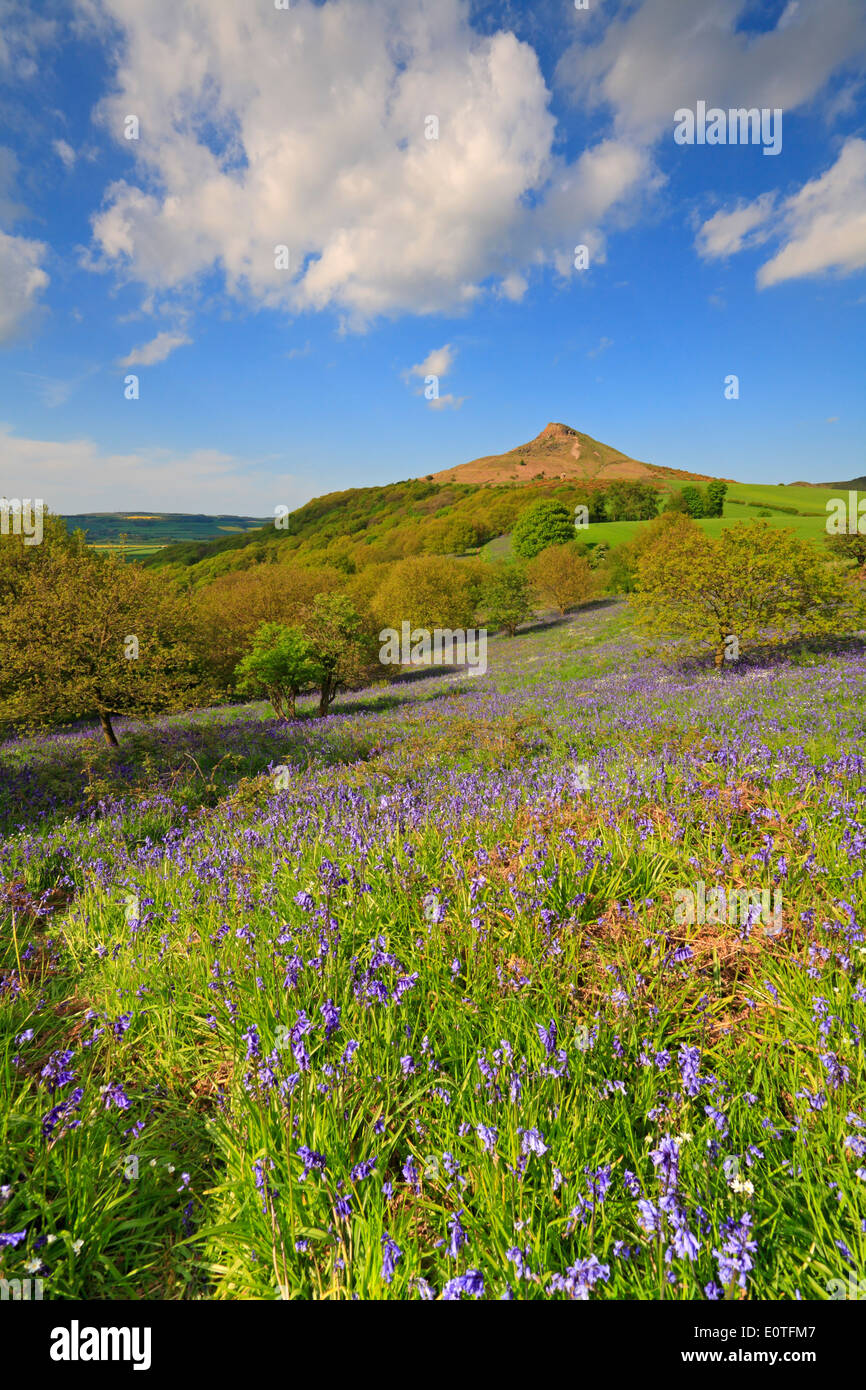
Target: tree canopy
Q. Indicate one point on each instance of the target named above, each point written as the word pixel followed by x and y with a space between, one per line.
pixel 755 583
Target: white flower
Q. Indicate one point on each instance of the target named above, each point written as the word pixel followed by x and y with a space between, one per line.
pixel 33 1265
pixel 77 1246
pixel 50 1239
pixel 742 1185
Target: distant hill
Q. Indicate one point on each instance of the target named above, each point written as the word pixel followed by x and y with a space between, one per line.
pixel 453 512
pixel 562 452
pixel 855 484
pixel 142 527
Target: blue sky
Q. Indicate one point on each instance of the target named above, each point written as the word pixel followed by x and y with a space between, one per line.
pixel 308 128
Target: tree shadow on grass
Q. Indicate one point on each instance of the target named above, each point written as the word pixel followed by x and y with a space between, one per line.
pixel 774 656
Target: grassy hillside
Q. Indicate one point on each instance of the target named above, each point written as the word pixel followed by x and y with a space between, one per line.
pixel 418 1017
pixel 560 451
pixel 358 527
pixel 363 526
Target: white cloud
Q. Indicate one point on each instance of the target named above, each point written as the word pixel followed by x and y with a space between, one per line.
pixel 728 232
pixel 825 223
pixel 665 54
pixel 438 362
pixel 822 227
pixel 64 152
pixel 514 287
pixel 306 128
pixel 77 476
pixel 157 350
pixel 22 279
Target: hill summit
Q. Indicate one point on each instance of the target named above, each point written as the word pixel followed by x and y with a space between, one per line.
pixel 560 451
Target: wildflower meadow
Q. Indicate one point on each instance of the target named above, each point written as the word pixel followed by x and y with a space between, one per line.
pixel 395 1004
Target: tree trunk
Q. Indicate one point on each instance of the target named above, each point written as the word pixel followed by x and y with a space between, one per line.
pixel 107 730
pixel 326 695
pixel 290 705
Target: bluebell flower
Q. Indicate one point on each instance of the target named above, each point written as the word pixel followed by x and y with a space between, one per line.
pixel 458 1235
pixel 472 1283
pixel 532 1141
pixel 391 1253
pixel 488 1136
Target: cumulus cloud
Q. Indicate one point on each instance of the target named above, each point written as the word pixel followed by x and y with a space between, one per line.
pixel 307 128
pixel 824 225
pixel 22 280
pixel 661 55
pixel 437 363
pixel 77 476
pixel 821 228
pixel 157 350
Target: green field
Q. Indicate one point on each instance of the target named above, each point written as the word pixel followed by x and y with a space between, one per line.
pixel 745 502
pixel 147 532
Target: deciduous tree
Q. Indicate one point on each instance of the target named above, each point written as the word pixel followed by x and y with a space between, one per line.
pixel 544 523
pixel 88 634
pixel 562 576
pixel 427 591
pixel 505 595
pixel 758 583
pixel 341 647
pixel 279 665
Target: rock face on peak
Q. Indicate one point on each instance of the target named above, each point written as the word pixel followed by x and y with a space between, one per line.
pixel 560 451
pixel 555 431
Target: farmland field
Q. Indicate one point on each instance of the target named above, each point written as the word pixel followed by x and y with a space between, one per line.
pixel 397 1003
pixel 802 510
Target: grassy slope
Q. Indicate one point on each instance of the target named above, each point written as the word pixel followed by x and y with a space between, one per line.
pixel 449 846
